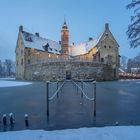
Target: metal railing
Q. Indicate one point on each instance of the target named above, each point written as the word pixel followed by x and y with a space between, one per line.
pixel 55 94
pixel 60 85
pixel 83 94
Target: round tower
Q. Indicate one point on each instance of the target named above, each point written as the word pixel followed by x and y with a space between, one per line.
pixel 65 40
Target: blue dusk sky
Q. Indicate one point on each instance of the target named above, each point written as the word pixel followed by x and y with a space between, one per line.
pixel 85 18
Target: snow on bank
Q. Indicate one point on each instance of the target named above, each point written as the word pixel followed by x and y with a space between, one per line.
pixel 104 133
pixel 13 83
pixel 7 78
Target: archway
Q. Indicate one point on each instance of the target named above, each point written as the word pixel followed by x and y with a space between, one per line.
pixel 68 74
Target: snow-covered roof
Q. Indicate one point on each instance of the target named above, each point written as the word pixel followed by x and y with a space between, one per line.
pixel 36 42
pixel 83 48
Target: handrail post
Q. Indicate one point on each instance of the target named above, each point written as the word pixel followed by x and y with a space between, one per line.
pixel 57 88
pixel 47 97
pixel 82 88
pixel 77 88
pixel 94 99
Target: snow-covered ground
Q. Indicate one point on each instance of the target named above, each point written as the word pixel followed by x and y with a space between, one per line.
pixel 104 133
pixel 8 78
pixel 5 83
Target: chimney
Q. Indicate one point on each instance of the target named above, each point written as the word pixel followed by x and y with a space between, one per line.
pixel 106 26
pixel 37 34
pixel 20 28
pixel 90 38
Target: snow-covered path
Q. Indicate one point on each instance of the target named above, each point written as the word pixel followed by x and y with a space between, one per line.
pixel 104 133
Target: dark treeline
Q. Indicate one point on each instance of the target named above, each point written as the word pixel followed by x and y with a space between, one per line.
pixel 7 68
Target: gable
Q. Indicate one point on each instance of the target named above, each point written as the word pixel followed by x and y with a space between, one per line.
pixel 107 35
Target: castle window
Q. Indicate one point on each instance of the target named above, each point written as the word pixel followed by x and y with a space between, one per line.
pixel 109 46
pixel 28 52
pixel 21 51
pixel 104 46
pixel 28 61
pixel 21 61
pixel 94 57
pixel 102 59
pixel 106 34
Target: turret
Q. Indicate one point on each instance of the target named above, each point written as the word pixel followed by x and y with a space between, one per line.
pixel 64 40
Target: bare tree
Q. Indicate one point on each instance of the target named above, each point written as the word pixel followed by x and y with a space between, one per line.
pixel 133 31
pixel 9 65
pixel 133 63
pixel 123 62
pixel 1 68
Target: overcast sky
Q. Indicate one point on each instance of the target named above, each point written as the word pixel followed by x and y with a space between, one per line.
pixel 85 18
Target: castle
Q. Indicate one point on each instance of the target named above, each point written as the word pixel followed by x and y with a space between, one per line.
pixel 38 58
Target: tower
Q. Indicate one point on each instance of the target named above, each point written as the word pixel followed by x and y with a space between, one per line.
pixel 64 40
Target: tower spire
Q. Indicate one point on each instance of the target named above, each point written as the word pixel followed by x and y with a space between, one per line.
pixel 65 23
pixel 64 40
pixel 64 19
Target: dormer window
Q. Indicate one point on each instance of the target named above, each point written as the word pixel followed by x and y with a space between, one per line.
pixel 46 47
pixel 28 37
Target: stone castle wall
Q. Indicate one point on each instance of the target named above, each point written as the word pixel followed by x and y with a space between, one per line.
pixel 59 70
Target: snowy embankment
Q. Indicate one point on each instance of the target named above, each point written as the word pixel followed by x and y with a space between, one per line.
pixel 6 82
pixel 104 133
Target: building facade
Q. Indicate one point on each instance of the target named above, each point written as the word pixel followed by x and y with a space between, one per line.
pixel 38 58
